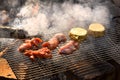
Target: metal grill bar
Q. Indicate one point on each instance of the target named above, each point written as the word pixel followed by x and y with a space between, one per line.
pixel 92 50
pixel 92 68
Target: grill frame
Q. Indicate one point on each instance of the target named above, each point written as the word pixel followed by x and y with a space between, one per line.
pixel 91 50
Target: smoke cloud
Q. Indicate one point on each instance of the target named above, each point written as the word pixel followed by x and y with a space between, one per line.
pixel 48 17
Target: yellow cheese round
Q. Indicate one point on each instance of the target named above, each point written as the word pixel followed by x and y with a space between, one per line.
pixel 78 34
pixel 96 30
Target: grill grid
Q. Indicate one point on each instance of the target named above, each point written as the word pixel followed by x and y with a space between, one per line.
pixel 100 68
pixel 92 50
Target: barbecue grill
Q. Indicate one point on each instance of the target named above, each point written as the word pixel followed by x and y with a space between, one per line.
pixel 92 56
pixel 92 51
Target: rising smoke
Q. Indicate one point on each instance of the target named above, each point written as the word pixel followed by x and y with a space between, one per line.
pixel 49 17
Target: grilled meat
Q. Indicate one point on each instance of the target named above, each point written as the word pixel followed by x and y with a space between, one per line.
pixel 40 53
pixel 54 41
pixel 69 48
pixel 24 46
pixel 34 42
pixel 51 44
pixel 60 37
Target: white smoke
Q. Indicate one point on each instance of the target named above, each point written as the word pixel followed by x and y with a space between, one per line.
pixel 56 17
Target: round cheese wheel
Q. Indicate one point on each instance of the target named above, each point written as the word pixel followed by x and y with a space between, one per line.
pixel 96 30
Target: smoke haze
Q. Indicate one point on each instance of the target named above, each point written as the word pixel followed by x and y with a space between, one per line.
pixel 38 17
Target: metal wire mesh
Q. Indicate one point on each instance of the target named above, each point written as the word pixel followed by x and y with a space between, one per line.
pixel 91 50
pixel 91 71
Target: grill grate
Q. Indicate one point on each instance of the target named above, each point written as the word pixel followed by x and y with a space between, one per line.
pixel 92 50
pixel 92 71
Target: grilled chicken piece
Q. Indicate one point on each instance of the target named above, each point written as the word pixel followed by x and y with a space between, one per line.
pixel 34 42
pixel 41 53
pixel 24 46
pixel 69 48
pixel 51 44
pixel 54 41
pixel 60 37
